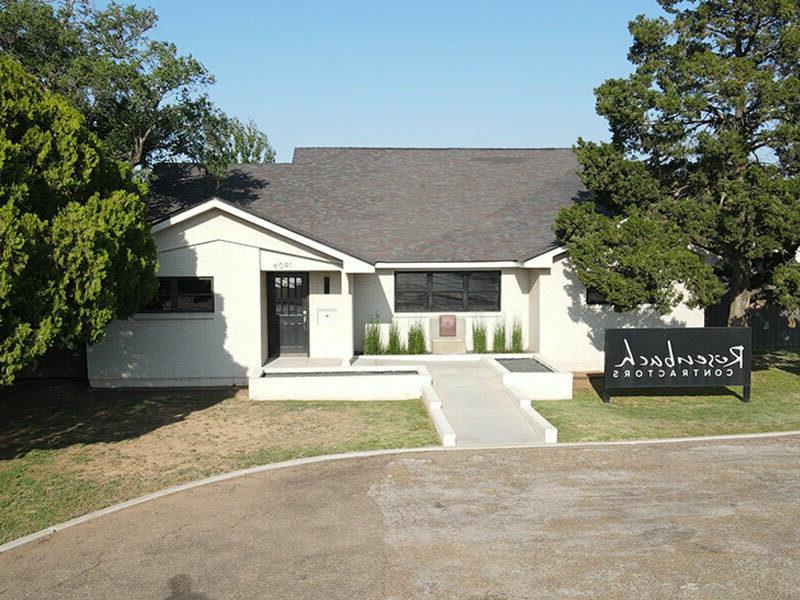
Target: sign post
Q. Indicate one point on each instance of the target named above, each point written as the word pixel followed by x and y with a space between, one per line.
pixel 677 357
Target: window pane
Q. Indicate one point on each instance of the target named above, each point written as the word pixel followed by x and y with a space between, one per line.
pixel 194 286
pixel 162 301
pixel 410 292
pixel 194 294
pixel 484 291
pixel 196 302
pixel 448 291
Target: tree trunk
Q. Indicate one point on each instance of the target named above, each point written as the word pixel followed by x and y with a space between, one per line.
pixel 737 313
pixel 138 147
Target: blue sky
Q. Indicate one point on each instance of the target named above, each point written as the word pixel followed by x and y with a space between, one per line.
pixel 475 74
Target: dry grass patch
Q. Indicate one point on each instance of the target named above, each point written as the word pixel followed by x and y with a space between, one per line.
pixel 66 450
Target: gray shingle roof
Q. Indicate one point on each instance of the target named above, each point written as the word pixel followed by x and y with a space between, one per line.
pixel 398 204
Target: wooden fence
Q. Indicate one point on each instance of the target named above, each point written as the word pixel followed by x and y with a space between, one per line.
pixel 771 328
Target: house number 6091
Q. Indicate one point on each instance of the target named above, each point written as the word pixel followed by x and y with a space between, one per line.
pixel 280 266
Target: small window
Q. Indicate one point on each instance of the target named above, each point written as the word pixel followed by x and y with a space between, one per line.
pixel 183 295
pixel 447 291
pixel 326 285
pixel 595 297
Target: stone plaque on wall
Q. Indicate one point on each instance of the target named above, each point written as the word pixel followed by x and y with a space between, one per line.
pixel 447 326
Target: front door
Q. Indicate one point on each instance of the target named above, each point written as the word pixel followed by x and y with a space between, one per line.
pixel 287 307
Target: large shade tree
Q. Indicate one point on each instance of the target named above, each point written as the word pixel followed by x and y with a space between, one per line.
pixel 75 248
pixel 703 167
pixel 144 100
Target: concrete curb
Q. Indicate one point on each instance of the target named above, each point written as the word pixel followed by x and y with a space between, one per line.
pixel 546 430
pixel 174 489
pixel 700 438
pixel 446 432
pixel 48 531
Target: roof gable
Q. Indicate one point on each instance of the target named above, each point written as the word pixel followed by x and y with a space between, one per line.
pixel 350 264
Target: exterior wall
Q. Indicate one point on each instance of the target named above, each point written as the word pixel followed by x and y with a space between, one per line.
pixel 230 345
pixel 223 347
pixel 534 318
pixel 264 321
pixel 374 299
pixel 329 320
pixel 216 225
pixel 572 332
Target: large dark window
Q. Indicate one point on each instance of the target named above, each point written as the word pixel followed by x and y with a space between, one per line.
pixel 183 295
pixel 447 291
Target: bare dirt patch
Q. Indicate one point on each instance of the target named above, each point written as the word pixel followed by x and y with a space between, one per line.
pixel 66 449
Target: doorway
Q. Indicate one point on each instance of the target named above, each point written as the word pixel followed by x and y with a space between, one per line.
pixel 287 310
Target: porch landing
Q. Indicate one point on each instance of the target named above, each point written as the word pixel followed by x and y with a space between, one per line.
pixel 301 362
pixel 476 403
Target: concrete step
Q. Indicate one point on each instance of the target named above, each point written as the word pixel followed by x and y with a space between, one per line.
pixel 448 346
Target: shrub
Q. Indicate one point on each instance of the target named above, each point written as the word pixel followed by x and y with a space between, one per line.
pixel 516 336
pixel 394 346
pixel 372 339
pixel 499 338
pixel 478 337
pixel 416 339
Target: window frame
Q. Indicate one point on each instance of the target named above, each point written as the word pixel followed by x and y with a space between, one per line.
pixel 173 300
pixel 466 275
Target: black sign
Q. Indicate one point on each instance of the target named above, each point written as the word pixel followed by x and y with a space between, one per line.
pixel 679 357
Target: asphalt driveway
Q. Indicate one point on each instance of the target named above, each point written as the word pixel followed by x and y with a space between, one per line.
pixel 689 520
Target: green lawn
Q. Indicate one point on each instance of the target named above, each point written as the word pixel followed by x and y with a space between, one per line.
pixel 66 450
pixel 774 406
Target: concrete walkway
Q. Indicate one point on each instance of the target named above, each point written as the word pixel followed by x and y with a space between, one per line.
pixel 476 403
pixel 674 521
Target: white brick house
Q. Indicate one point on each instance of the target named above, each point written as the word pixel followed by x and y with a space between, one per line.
pixel 296 258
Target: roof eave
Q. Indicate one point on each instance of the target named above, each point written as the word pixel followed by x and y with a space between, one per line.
pixel 545 259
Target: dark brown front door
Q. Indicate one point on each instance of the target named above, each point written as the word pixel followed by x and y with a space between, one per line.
pixel 287 307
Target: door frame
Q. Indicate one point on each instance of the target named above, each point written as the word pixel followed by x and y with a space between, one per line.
pixel 273 331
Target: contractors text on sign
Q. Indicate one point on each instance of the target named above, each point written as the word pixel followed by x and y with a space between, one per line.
pixel 677 357
pixel 671 365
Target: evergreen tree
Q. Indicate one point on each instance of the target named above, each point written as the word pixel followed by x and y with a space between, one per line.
pixel 75 247
pixel 704 157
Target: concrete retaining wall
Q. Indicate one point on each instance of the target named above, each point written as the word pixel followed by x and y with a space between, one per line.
pixel 434 404
pixel 341 383
pixel 542 426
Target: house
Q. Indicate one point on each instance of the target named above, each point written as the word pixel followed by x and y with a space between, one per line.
pixel 296 259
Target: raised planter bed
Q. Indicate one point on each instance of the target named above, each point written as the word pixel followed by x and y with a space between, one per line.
pixel 533 377
pixel 523 365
